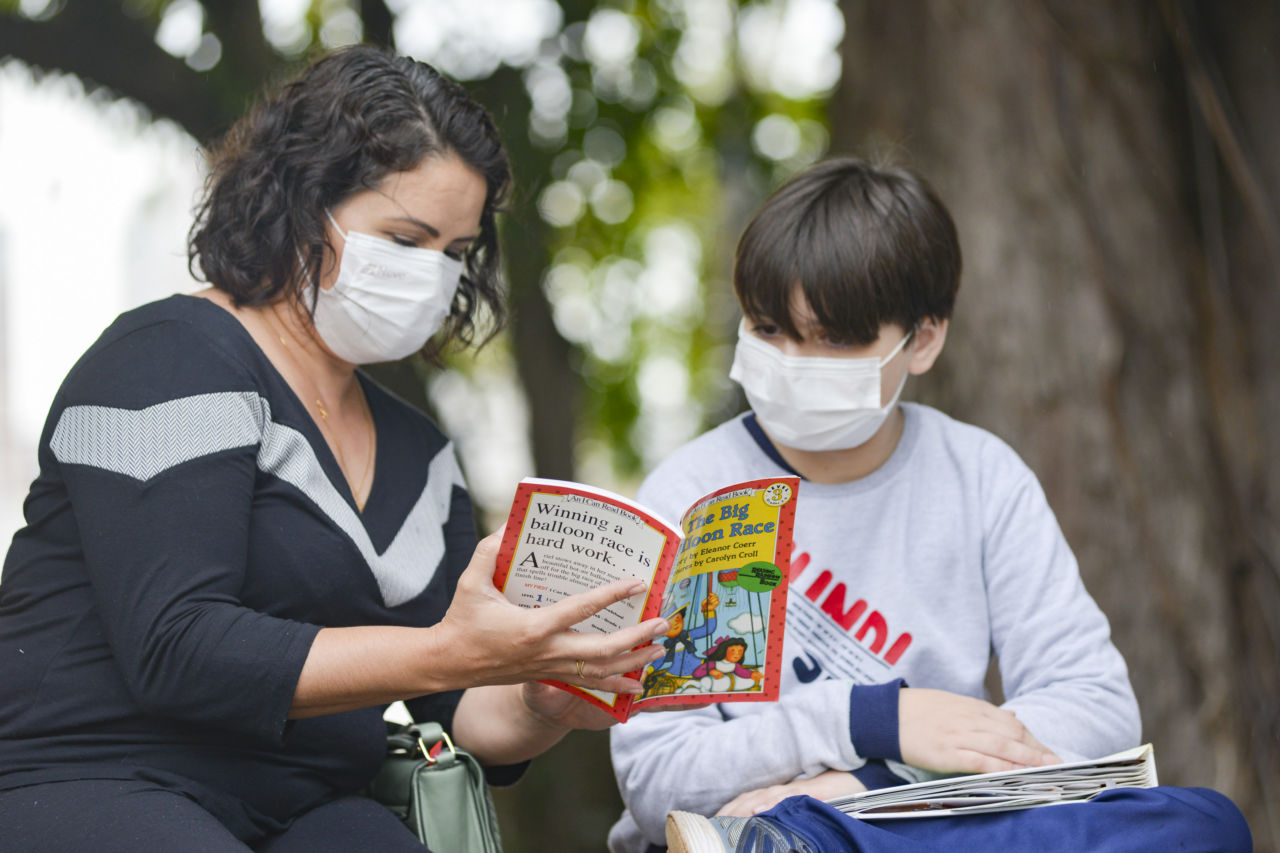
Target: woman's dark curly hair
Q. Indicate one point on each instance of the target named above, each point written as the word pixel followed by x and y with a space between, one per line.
pixel 349 120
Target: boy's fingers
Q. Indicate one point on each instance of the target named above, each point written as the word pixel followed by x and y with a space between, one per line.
pixel 1012 752
pixel 978 762
pixel 1006 724
pixel 962 733
pixel 1009 726
pixel 1030 740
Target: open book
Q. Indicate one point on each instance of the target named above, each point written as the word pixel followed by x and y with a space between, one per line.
pixel 719 577
pixel 1028 788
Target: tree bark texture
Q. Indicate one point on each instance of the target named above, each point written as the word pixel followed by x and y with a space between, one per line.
pixel 1109 169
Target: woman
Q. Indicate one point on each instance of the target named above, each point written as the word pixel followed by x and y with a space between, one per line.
pixel 239 549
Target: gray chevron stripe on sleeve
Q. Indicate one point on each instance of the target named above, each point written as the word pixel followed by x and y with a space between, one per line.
pixel 142 443
pixel 145 442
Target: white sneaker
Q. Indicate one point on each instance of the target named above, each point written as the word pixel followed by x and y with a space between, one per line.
pixel 692 833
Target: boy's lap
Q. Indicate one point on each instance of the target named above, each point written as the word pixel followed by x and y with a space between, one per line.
pixel 1125 820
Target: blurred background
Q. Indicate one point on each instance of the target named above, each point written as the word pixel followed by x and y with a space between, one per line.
pixel 1111 168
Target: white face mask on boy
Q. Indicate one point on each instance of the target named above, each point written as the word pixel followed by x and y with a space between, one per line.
pixel 387 301
pixel 812 403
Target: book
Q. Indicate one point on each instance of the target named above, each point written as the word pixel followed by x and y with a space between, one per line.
pixel 1007 790
pixel 719 577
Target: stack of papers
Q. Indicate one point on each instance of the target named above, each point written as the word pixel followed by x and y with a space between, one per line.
pixel 1008 790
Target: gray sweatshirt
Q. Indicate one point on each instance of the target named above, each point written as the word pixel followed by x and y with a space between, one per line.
pixel 921 571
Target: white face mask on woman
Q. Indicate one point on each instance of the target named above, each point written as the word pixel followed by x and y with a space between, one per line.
pixel 387 301
pixel 812 403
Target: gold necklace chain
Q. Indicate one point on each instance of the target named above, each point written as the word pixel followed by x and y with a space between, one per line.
pixel 323 423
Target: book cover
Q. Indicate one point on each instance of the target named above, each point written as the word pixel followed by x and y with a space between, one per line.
pixel 719 577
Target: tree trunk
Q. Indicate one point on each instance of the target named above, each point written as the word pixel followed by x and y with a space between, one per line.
pixel 543 358
pixel 1114 323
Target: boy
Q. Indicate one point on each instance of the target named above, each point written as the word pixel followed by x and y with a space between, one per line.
pixel 922 545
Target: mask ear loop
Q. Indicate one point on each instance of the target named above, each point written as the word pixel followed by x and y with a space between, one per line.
pixel 336 226
pixel 897 396
pixel 306 273
pixel 911 333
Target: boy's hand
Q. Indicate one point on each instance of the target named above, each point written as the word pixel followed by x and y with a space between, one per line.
pixel 824 786
pixel 950 733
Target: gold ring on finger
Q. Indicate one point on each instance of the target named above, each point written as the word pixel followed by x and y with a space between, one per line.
pixel 581 664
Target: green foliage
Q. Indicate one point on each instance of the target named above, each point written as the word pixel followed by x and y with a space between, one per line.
pixel 650 169
pixel 640 131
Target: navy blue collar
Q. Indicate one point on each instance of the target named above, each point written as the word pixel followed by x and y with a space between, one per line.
pixel 757 433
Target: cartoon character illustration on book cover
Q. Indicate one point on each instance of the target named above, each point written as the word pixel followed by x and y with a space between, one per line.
pixel 736 599
pixel 722 671
pixel 682 657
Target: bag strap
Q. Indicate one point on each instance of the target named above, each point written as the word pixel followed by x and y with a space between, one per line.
pixel 430 731
pixel 423 740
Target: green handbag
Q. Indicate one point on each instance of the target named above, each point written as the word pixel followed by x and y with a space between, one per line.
pixel 443 797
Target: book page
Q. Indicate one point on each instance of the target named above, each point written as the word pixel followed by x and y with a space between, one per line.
pixel 725 598
pixel 566 538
